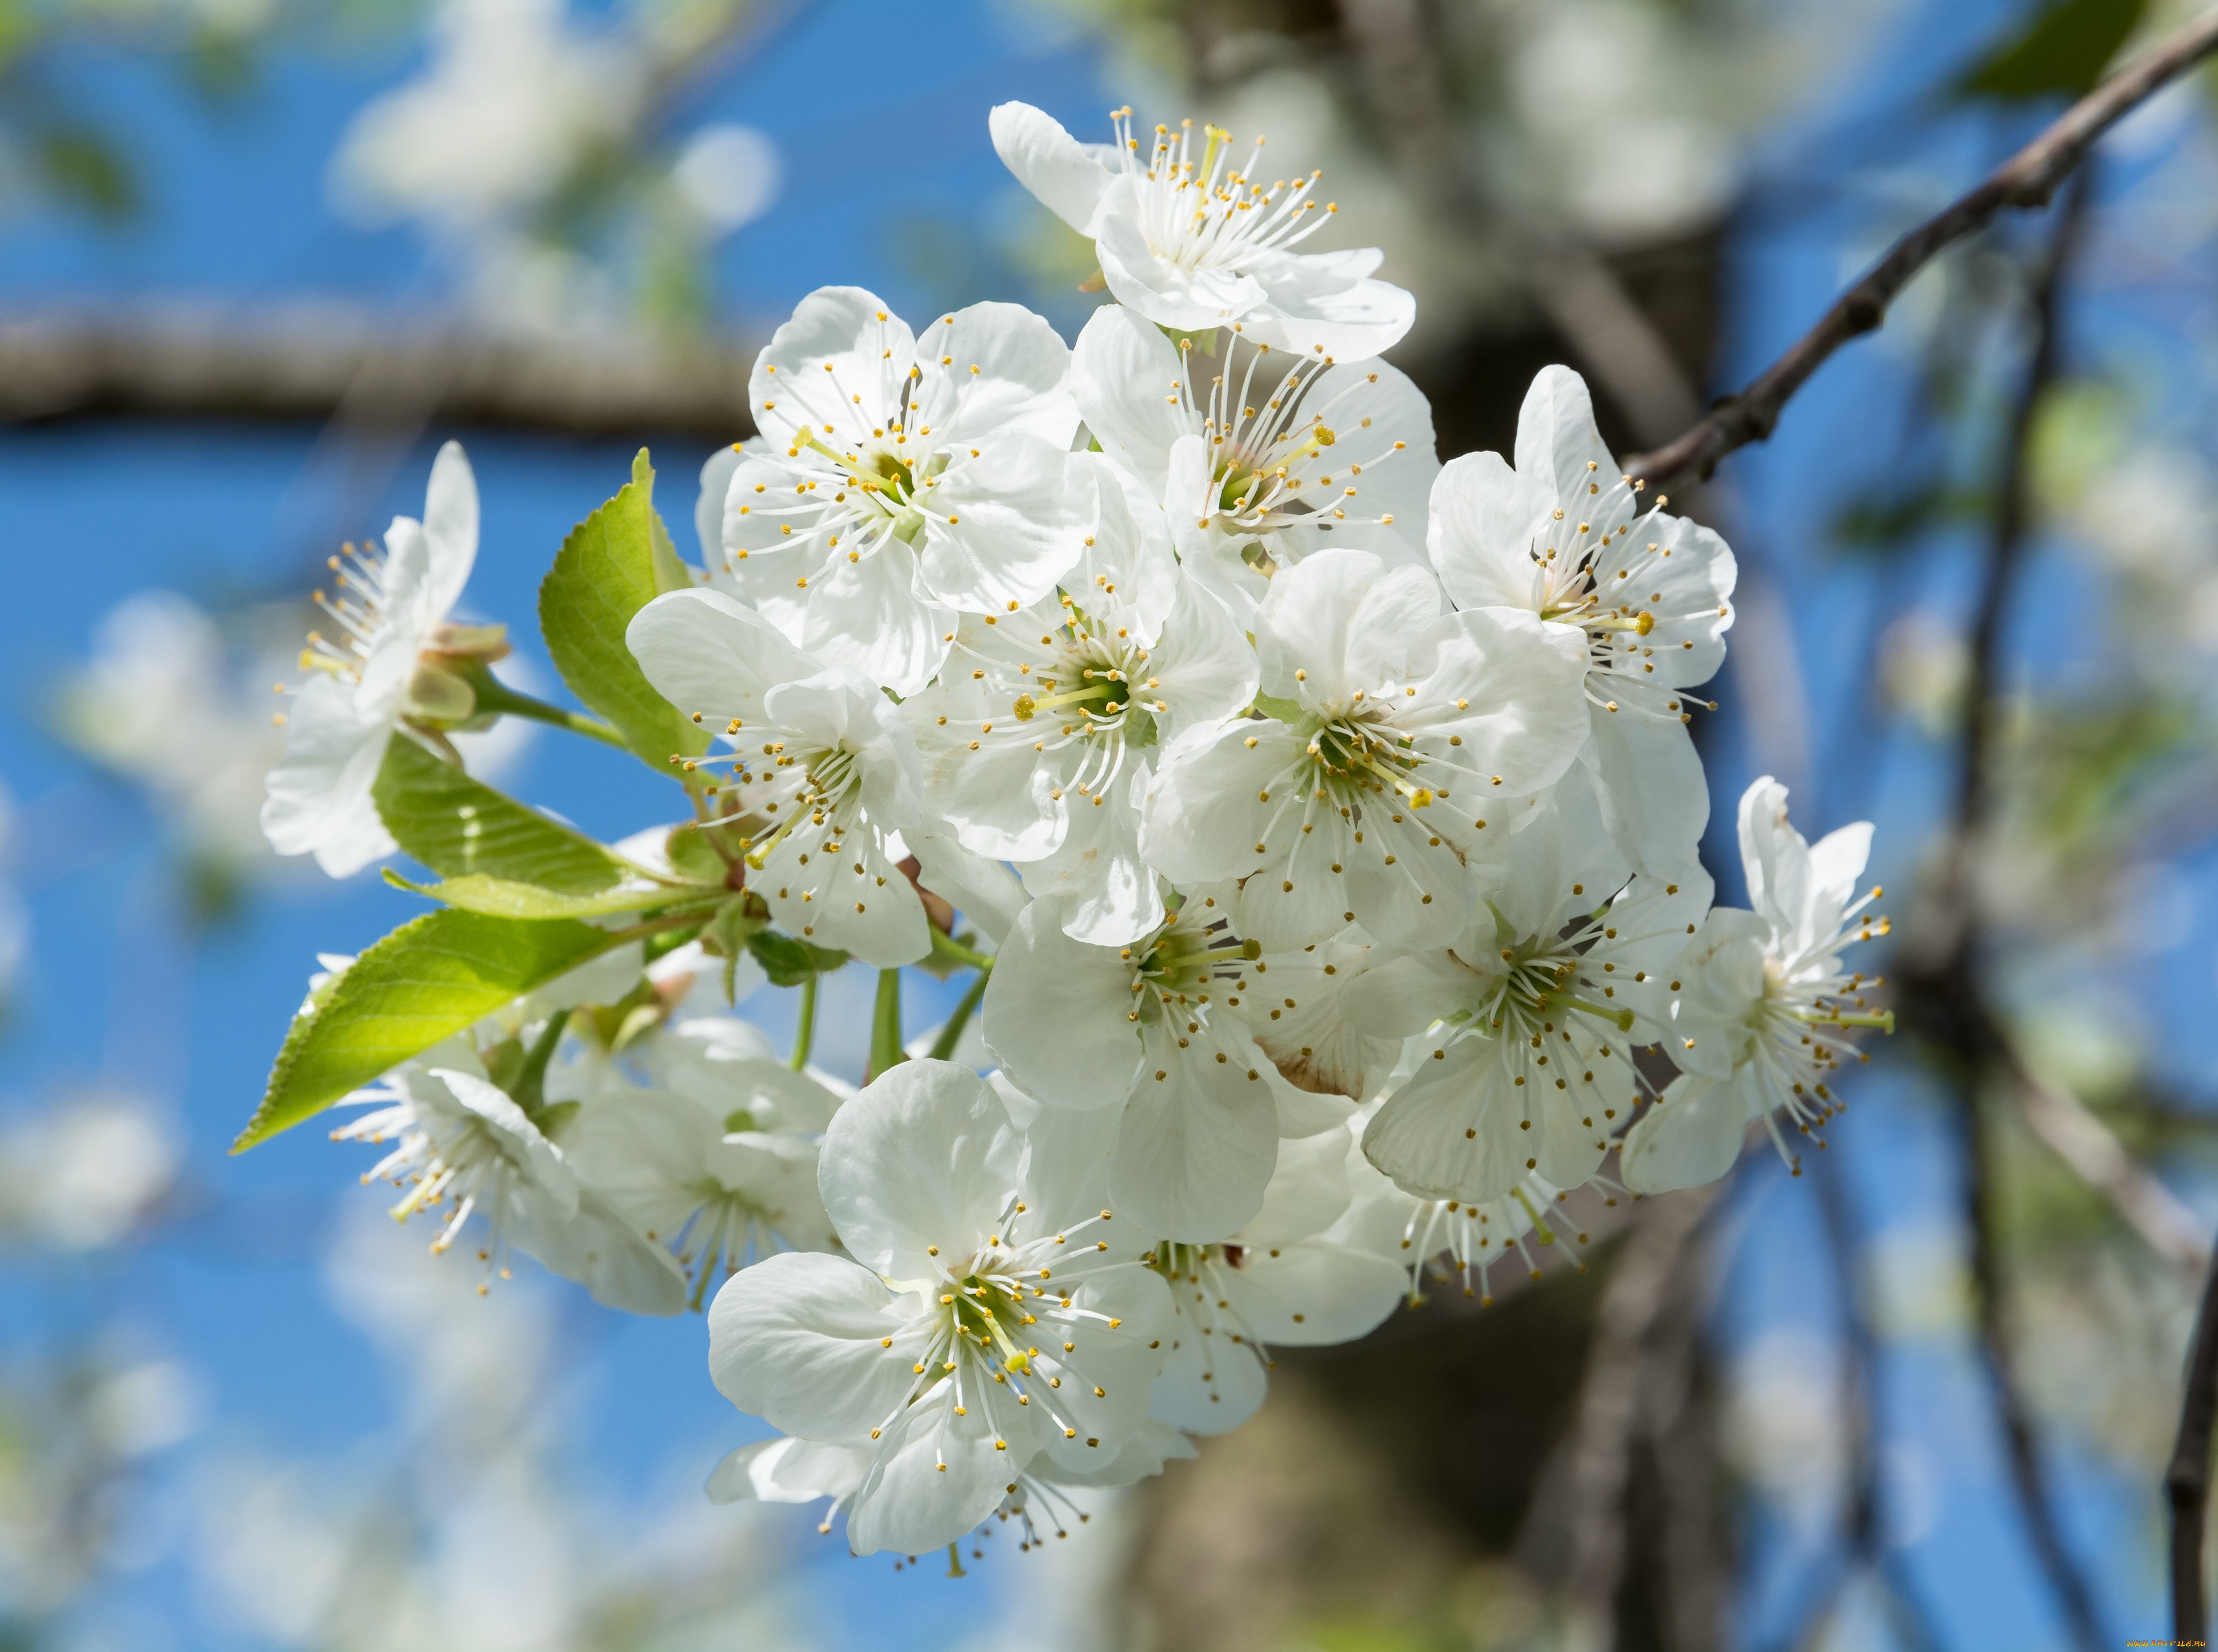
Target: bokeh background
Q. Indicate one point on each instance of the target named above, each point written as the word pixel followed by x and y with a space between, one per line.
pixel 257 257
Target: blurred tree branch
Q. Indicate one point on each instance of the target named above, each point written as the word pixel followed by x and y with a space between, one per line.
pixel 1943 985
pixel 1398 56
pixel 2066 1125
pixel 313 363
pixel 1864 1515
pixel 1576 1529
pixel 2187 1480
pixel 2029 179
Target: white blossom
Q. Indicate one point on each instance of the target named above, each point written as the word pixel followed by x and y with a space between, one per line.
pixel 1646 596
pixel 1754 994
pixel 1397 733
pixel 1152 1033
pixel 1530 1014
pixel 390 606
pixel 1264 464
pixel 1038 737
pixel 1299 1005
pixel 897 479
pixel 1192 242
pixel 992 1314
pixel 821 754
pixel 460 1146
pixel 1459 1240
pixel 721 1164
pixel 1307 1269
pixel 1317 889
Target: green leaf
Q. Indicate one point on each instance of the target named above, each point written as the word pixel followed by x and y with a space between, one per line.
pixel 427 980
pixel 500 898
pixel 613 564
pixel 1286 711
pixel 787 961
pixel 462 827
pixel 2061 52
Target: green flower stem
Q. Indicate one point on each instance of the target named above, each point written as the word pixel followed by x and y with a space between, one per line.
pixel 530 1093
pixel 654 926
pixel 804 1035
pixel 494 694
pixel 943 1047
pixel 955 952
pixel 886 1052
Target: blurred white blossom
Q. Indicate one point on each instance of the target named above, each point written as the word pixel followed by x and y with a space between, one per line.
pixel 1923 666
pixel 83 1175
pixel 512 95
pixel 160 702
pixel 1782 1424
pixel 728 175
pixel 471 1531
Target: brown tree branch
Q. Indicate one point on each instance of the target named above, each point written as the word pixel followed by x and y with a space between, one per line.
pixel 2028 179
pixel 2187 1481
pixel 311 363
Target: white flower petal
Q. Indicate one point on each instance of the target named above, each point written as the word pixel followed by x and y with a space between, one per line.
pixel 1209 1384
pixel 1488 524
pixel 936 1474
pixel 450 529
pixel 1057 1014
pixel 1122 375
pixel 1308 1293
pixel 787 1470
pixel 597 1247
pixel 984 891
pixel 704 652
pixel 1692 1135
pixel 994 368
pixel 925 1155
pixel 1199 1135
pixel 1108 892
pixel 716 474
pixel 320 795
pixel 1326 303
pixel 869 349
pixel 1068 176
pixel 797 1339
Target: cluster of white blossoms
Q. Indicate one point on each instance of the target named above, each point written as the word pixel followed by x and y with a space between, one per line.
pixel 1320 822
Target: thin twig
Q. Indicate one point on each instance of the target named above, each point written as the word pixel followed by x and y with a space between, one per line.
pixel 2187 1482
pixel 2028 179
